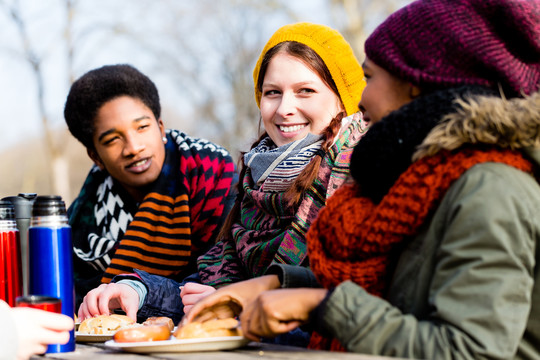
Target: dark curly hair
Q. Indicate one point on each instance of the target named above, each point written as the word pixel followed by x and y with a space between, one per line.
pixel 100 85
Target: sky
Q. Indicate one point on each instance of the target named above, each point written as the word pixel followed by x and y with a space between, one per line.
pixel 20 118
pixel 185 46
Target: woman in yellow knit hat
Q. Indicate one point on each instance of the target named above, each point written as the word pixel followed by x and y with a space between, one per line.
pixel 308 84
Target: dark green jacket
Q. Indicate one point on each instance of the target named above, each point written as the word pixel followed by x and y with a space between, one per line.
pixel 468 285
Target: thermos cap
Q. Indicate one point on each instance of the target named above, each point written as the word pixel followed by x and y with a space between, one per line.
pixel 23 204
pixel 47 205
pixel 7 210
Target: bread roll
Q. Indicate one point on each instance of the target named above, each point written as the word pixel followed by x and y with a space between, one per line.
pixel 105 324
pixel 211 328
pixel 143 333
pixel 159 320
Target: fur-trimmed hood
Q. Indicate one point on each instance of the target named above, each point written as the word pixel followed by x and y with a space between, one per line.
pixel 443 120
pixel 513 124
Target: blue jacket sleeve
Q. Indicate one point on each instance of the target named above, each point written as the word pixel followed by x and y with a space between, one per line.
pixel 163 298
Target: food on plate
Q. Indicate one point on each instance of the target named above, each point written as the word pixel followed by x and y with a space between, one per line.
pixel 157 332
pixel 159 320
pixel 210 328
pixel 105 324
pixel 155 328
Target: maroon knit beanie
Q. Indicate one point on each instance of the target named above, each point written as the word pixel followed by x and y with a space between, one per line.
pixel 442 43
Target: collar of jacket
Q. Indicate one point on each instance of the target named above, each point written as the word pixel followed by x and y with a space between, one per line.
pixel 508 123
pixel 442 120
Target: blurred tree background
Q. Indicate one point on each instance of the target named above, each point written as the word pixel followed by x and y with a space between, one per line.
pixel 200 54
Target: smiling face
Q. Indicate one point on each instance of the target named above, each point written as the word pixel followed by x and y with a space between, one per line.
pixel 383 93
pixel 128 143
pixel 295 101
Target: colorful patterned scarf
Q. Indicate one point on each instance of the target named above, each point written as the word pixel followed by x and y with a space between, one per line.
pixel 158 240
pixel 177 219
pixel 269 230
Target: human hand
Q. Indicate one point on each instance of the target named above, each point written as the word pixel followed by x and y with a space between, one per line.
pixel 107 297
pixel 192 292
pixel 279 311
pixel 37 328
pixel 229 300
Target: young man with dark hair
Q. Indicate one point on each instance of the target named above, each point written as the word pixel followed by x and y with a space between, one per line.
pixel 155 198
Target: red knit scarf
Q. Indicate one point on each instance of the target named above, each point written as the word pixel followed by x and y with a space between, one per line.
pixel 353 238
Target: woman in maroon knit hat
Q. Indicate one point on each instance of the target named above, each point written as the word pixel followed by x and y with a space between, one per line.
pixel 432 249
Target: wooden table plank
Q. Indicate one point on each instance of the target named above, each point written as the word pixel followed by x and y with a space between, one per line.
pixel 253 350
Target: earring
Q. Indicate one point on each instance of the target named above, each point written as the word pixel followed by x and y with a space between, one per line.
pixel 414 92
pixel 164 139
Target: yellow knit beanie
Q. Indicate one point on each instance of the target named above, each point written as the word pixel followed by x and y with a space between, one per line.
pixel 333 49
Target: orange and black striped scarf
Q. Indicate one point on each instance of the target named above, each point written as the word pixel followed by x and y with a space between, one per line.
pixel 158 240
pixel 355 239
pixel 177 220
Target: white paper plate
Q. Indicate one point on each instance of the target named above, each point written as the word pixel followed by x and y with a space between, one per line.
pixel 80 337
pixel 174 345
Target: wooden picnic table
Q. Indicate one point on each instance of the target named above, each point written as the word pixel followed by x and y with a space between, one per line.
pixel 253 350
